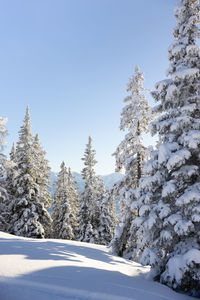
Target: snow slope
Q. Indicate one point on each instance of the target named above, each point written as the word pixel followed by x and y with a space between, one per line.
pixel 58 269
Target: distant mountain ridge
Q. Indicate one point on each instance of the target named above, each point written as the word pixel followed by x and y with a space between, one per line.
pixel 109 180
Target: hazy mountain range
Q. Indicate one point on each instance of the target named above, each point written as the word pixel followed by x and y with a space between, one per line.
pixel 109 180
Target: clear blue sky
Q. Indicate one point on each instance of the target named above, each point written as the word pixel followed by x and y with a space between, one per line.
pixel 70 61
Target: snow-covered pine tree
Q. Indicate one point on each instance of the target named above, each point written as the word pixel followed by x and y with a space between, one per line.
pixel 168 225
pixel 74 196
pixel 11 172
pixel 88 196
pixel 130 154
pixel 11 175
pixel 29 216
pixel 42 170
pixel 112 209
pixel 13 153
pixel 93 209
pixel 64 213
pixel 107 218
pixel 4 198
pixel 73 191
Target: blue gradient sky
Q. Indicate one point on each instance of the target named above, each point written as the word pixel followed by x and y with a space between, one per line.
pixel 70 61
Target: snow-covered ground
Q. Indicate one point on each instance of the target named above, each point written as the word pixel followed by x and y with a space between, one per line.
pixel 57 269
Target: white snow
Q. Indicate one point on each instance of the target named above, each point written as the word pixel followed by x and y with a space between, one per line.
pixel 191 195
pixel 193 50
pixel 60 269
pixel 165 151
pixel 162 84
pixel 165 235
pixel 192 139
pixel 178 158
pixel 177 49
pixel 185 73
pixel 179 264
pixel 171 91
pixel 169 188
pixel 183 227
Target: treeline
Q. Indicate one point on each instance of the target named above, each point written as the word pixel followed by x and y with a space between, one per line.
pixel 25 201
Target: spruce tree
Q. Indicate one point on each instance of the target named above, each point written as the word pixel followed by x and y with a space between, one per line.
pixel 64 224
pixel 11 175
pixel 130 154
pixel 93 210
pixel 4 197
pixel 42 170
pixel 74 196
pixel 168 226
pixel 13 153
pixel 107 219
pixel 29 216
pixel 88 197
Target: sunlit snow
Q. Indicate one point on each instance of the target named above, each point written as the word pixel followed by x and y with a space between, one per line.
pixel 59 269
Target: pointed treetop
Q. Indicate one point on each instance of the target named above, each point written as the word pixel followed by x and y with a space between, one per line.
pixel 25 135
pixel 62 166
pixel 12 152
pixel 27 116
pixel 89 151
pixel 89 140
pixel 135 85
pixel 13 149
pixel 36 141
pixel 37 137
pixel 3 132
pixel 137 69
pixel 69 171
pixel 27 110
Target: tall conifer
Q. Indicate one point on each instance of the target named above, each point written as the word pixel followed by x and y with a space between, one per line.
pixel 168 226
pixel 29 216
pixel 130 155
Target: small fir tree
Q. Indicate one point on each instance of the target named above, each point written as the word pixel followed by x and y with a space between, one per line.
pixel 95 221
pixel 64 224
pixel 108 218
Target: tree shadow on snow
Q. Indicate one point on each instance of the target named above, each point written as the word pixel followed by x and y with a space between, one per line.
pixel 75 282
pixel 49 250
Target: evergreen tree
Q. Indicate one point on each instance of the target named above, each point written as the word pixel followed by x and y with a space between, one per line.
pixel 130 155
pixel 64 224
pixel 74 196
pixel 94 218
pixel 168 226
pixel 11 172
pixel 107 219
pixel 87 214
pixel 29 216
pixel 4 198
pixel 42 170
pixel 13 153
pixel 11 175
